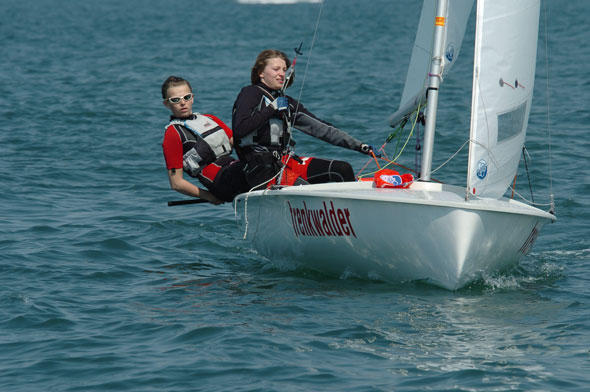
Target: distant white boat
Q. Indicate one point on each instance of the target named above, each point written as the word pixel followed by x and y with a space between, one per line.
pixel 442 234
pixel 277 1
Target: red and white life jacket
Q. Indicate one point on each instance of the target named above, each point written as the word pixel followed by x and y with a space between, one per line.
pixel 203 142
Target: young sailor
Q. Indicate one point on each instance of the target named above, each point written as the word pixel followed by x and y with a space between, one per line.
pixel 262 119
pixel 200 145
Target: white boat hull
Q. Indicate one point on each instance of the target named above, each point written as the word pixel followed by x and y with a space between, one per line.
pixel 428 232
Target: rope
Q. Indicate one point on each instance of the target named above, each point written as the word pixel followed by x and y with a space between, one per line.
pixel 513 186
pixel 358 175
pixel 388 139
pixel 246 201
pixel 411 131
pixel 376 161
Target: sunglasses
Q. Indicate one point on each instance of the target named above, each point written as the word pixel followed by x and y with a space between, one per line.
pixel 177 99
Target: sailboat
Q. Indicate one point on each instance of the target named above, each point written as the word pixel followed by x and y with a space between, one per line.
pixel 445 235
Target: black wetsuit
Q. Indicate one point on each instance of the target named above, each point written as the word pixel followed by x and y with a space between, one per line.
pixel 252 116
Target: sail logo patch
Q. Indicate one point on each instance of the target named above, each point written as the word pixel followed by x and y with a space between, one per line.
pixel 450 53
pixel 328 221
pixel 482 169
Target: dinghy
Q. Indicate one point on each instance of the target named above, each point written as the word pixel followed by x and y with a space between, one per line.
pixel 442 234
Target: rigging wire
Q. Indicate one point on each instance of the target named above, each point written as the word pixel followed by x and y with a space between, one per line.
pixel 418 149
pixel 455 154
pixel 525 152
pixel 551 203
pixel 291 70
pixel 315 31
pixel 552 208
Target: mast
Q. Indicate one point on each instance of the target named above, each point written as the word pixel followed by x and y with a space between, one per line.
pixel 434 79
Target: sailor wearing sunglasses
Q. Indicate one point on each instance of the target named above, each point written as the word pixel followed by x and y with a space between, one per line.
pixel 199 145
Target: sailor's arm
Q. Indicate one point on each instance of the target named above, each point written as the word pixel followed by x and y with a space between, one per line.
pixel 308 123
pixel 179 184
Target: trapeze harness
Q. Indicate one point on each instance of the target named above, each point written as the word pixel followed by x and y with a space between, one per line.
pixel 203 142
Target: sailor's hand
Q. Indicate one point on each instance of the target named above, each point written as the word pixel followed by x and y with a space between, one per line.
pixel 215 201
pixel 210 197
pixel 280 104
pixel 369 150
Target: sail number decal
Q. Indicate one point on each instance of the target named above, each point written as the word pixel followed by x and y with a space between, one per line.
pixel 327 221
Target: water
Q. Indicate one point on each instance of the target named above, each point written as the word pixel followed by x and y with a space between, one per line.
pixel 104 287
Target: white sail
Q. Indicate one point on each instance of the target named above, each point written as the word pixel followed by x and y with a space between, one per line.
pixel 503 80
pixel 415 88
